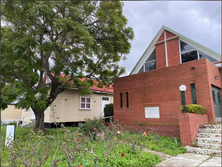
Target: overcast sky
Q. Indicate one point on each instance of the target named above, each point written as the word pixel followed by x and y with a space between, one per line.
pixel 197 20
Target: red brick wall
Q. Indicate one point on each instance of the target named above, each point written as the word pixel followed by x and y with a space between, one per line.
pixel 160 56
pixel 160 129
pixel 173 53
pixel 169 34
pixel 189 124
pixel 213 72
pixel 161 38
pixel 160 87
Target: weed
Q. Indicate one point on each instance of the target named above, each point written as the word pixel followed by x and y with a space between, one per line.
pixel 139 123
pixel 212 155
pixel 201 125
pixel 195 144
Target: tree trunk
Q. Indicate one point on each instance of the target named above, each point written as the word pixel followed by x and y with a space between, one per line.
pixel 39 117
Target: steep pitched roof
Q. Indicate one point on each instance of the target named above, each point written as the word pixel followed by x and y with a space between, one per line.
pixel 183 38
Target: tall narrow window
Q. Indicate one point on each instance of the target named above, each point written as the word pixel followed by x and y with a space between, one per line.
pixel 127 100
pixel 121 100
pixel 193 93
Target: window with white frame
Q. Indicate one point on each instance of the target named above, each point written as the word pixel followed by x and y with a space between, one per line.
pixel 85 103
pixel 105 98
pixel 189 53
pixel 150 63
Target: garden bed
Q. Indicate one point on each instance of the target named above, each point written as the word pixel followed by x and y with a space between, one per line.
pixel 73 147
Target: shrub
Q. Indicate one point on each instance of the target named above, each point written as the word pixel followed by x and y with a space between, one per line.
pixel 108 111
pixel 12 123
pixel 193 108
pixel 91 127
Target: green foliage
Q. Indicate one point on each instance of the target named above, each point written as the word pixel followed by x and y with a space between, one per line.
pixel 69 147
pixel 139 123
pixel 212 155
pixel 193 108
pixel 108 111
pixel 91 127
pixel 195 144
pixel 153 123
pixel 84 40
pixel 155 142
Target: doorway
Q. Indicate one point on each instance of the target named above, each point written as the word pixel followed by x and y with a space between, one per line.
pixel 105 100
pixel 217 102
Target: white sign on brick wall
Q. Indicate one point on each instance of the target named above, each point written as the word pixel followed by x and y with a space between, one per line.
pixel 152 112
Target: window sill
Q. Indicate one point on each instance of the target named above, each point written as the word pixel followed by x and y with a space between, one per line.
pixel 88 109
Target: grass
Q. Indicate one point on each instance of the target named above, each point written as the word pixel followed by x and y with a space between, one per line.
pixel 132 157
pixel 162 144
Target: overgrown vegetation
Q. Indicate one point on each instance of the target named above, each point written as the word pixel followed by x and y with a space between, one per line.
pixel 193 108
pixel 91 144
pixel 91 127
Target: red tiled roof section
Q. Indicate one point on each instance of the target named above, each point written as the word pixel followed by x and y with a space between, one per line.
pixel 95 88
pixel 109 90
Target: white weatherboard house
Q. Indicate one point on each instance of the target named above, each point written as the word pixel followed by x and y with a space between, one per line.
pixel 69 107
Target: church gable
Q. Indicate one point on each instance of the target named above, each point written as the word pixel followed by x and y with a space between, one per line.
pixel 169 34
pixel 171 48
pixel 161 38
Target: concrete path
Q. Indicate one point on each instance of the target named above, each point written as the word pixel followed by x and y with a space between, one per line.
pixel 189 159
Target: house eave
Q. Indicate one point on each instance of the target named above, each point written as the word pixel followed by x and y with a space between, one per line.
pixel 95 91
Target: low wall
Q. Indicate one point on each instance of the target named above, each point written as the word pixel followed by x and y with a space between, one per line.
pixel 162 130
pixel 189 124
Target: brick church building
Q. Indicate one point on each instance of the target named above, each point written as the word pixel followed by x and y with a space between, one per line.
pixel 150 95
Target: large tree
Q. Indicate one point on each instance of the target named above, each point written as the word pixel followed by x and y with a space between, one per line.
pixel 84 40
